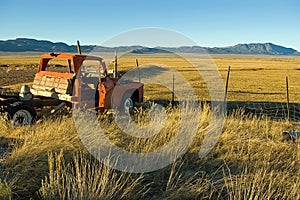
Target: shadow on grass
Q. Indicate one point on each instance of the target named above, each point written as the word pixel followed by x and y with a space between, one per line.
pixel 279 111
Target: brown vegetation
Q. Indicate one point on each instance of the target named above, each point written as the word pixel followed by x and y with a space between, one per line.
pixel 250 161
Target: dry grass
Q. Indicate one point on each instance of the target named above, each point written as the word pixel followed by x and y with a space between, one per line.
pixel 49 161
pixel 86 178
pixel 253 78
pixel 249 162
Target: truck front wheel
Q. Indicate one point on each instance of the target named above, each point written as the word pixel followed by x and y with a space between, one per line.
pixel 127 103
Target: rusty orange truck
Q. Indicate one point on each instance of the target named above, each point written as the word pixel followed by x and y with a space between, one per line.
pixel 83 81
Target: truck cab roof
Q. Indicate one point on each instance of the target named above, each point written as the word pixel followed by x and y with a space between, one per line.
pixel 76 59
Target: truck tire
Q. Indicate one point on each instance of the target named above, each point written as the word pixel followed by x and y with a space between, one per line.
pixel 127 103
pixel 21 114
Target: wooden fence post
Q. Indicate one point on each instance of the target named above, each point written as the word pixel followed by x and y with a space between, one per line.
pixel 137 65
pixel 116 65
pixel 226 86
pixel 287 97
pixel 173 82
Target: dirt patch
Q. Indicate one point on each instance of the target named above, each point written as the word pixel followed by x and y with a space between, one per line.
pixel 15 74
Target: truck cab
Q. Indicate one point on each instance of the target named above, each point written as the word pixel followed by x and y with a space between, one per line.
pixel 84 83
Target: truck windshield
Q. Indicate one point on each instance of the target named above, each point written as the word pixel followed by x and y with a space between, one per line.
pixel 89 68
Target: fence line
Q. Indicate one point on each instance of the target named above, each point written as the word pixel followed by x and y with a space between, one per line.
pixel 275 110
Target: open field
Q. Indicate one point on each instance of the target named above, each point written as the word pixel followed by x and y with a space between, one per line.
pixel 252 78
pixel 250 161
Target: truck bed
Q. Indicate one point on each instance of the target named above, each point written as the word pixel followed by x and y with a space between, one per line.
pixel 8 93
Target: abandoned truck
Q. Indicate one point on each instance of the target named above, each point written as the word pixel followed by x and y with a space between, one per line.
pixel 85 83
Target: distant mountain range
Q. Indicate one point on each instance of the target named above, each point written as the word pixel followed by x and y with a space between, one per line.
pixel 25 44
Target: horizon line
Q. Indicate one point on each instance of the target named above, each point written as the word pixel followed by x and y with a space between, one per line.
pixel 247 43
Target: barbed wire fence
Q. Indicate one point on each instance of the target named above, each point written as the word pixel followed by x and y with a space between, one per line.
pixel 275 110
pixel 282 110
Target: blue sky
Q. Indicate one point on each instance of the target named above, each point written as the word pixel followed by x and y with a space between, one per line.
pixel 209 23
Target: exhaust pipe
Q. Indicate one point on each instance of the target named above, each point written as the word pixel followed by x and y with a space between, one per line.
pixel 78 47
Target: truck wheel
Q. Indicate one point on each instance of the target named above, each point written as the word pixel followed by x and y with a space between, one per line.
pixel 21 114
pixel 127 103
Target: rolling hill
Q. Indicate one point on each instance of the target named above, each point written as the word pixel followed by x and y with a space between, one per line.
pixel 26 44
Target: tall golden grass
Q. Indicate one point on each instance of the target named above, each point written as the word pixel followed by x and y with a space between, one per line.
pixel 252 78
pixel 250 161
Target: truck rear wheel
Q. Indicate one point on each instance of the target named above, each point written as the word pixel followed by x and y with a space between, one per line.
pixel 21 114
